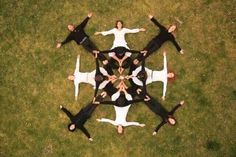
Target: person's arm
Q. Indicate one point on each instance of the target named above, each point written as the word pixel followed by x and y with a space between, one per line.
pixel 159 126
pixel 126 30
pixel 175 108
pixel 76 90
pixel 85 131
pixel 133 123
pixel 83 23
pixel 104 33
pixel 77 64
pixel 176 44
pixel 164 60
pixel 157 23
pixel 164 90
pixel 108 102
pixel 68 39
pixel 107 121
pixel 67 113
pixel 135 101
pixel 133 51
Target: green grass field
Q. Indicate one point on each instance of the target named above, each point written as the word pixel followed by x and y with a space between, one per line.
pixel 34 81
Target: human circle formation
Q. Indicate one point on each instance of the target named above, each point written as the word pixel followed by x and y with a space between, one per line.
pixel 121 76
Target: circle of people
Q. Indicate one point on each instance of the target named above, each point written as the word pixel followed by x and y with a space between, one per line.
pixel 114 89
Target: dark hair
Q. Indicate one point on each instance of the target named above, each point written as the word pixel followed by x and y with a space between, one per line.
pixel 69 127
pixel 170 80
pixel 120 22
pixel 142 75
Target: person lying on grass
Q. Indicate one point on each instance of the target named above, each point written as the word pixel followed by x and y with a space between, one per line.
pixel 88 77
pixel 78 120
pixel 165 34
pixel 119 32
pixel 81 38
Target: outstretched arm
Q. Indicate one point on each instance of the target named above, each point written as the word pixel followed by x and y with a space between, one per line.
pixel 83 23
pixel 107 121
pixel 133 123
pixel 159 126
pixel 67 113
pixel 68 39
pixel 176 45
pixel 157 23
pixel 85 131
pixel 104 33
pixel 76 90
pixel 126 30
pixel 77 64
pixel 175 108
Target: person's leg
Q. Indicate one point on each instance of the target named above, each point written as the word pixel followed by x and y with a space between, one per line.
pixel 90 47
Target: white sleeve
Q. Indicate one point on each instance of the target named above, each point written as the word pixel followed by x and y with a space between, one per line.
pixel 165 62
pixel 164 88
pixel 103 71
pixel 128 97
pixel 77 64
pixel 108 121
pixel 104 33
pixel 128 54
pixel 111 54
pixel 126 30
pixel 115 96
pixel 76 89
pixel 131 123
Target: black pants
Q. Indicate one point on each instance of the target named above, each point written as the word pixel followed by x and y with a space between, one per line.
pixel 151 47
pixel 90 46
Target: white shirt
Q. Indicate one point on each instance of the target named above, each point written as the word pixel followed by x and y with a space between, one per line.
pixel 119 36
pixel 153 76
pixel 87 77
pixel 121 113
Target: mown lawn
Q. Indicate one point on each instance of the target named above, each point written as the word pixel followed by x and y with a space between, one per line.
pixel 33 79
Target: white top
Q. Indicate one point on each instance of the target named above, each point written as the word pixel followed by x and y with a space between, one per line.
pixel 87 77
pixel 121 113
pixel 153 76
pixel 119 36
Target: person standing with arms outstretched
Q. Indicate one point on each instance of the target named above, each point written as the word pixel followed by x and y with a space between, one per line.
pixel 81 38
pixel 165 34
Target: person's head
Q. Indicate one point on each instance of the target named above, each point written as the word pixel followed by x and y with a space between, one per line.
pixel 172 28
pixel 71 127
pixel 171 76
pixel 119 24
pixel 171 120
pixel 71 77
pixel 70 27
pixel 142 75
pixel 120 129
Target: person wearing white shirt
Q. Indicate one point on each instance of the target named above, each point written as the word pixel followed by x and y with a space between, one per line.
pixel 85 77
pixel 155 75
pixel 121 114
pixel 119 33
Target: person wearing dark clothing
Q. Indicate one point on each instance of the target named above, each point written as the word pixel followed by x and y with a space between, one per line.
pixel 158 109
pixel 99 77
pixel 78 120
pixel 81 38
pixel 164 35
pixel 110 89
